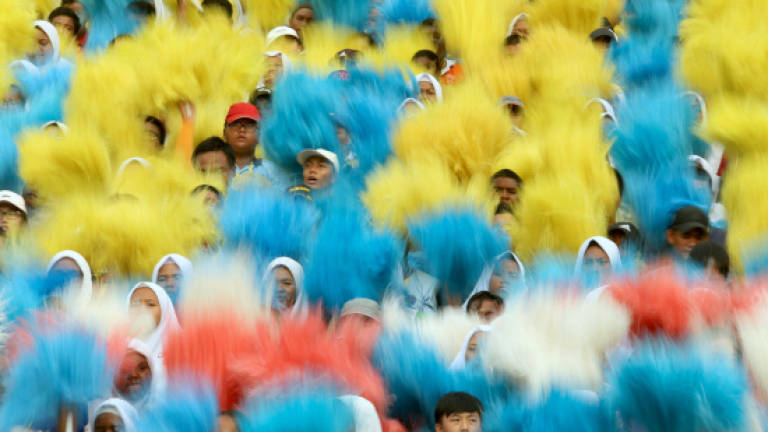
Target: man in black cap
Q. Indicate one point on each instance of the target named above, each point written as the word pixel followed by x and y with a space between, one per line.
pixel 689 228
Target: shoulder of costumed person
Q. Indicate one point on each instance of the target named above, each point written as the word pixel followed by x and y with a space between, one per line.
pixel 608 246
pixel 185 265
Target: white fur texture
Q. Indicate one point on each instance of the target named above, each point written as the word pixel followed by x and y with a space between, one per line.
pixel 547 340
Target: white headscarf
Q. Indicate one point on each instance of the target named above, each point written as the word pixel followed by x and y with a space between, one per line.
pixel 425 77
pixel 366 417
pixel 714 182
pixel 168 321
pixel 297 271
pixel 159 379
pixel 161 11
pixel 460 361
pixel 53 34
pixel 185 265
pixel 404 105
pixel 517 18
pixel 119 407
pixel 485 278
pixel 608 246
pixel 86 287
pixel 608 111
pixel 132 160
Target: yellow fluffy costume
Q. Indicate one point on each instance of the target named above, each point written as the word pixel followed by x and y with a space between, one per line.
pixel 147 76
pixel 16 36
pixel 723 57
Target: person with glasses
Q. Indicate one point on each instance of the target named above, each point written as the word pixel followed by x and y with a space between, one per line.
pixel 13 215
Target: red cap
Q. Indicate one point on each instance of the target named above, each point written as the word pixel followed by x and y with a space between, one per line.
pixel 242 110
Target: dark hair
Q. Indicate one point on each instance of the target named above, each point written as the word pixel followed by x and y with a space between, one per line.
pixel 206 188
pixel 157 122
pixel 214 144
pixel 703 252
pixel 425 53
pixel 619 182
pixel 513 39
pixel 483 296
pixel 429 22
pixel 508 173
pixel 225 6
pixel 457 402
pixel 141 8
pixel 69 2
pixel 67 12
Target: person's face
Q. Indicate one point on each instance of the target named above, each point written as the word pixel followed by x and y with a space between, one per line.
pixel 44 48
pixel 487 310
pixel 427 92
pixel 69 266
pixel 65 25
pixel 134 377
pixel 169 277
pixel 242 135
pixel 342 135
pixel 153 134
pixel 108 422
pixel 318 172
pixel 227 423
pixel 211 198
pixel 682 243
pixel 274 70
pixel 214 162
pixel 428 64
pixel 302 18
pixel 286 287
pixel 460 422
pixel 472 346
pixel 144 300
pixel 507 189
pixel 11 218
pixel 596 260
pixel 521 28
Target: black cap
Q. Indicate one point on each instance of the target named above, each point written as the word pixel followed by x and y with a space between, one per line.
pixel 689 218
pixel 603 32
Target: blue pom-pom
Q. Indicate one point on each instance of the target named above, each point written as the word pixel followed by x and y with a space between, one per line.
pixel 667 387
pixel 187 407
pixel 268 224
pixel 64 368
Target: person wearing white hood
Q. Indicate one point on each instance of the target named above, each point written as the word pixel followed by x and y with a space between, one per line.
pixel 284 279
pixel 598 257
pixel 430 90
pixel 171 272
pixel 140 378
pixel 469 348
pixel 73 264
pixel 506 271
pixel 148 298
pixel 114 415
pixel 48 51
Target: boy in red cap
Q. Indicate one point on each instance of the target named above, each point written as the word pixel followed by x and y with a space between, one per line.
pixel 241 132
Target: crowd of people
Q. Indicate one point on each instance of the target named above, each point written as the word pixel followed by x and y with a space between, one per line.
pixel 383 215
